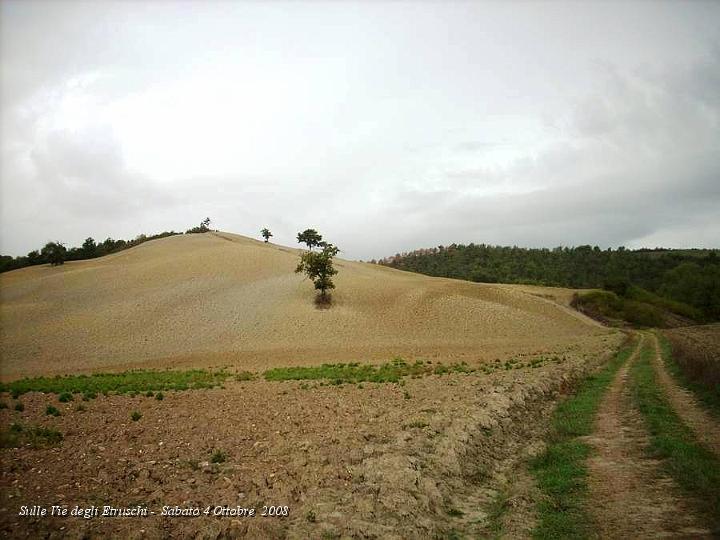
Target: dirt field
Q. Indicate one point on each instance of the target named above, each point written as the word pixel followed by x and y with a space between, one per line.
pixel 219 299
pixel 379 461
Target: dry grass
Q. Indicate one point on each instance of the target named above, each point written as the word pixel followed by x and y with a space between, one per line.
pixel 696 354
pixel 696 350
pixel 219 299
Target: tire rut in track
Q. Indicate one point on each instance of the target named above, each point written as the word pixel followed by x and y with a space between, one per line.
pixel 629 495
pixel 703 425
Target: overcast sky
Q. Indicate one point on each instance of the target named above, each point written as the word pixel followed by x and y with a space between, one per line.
pixel 386 126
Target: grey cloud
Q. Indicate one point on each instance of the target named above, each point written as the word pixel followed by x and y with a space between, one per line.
pixel 86 175
pixel 647 160
pixel 387 128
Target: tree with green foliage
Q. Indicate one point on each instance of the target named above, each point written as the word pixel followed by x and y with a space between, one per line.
pixel 203 228
pixel 310 237
pixel 318 266
pixel 266 234
pixel 54 253
pixel 89 248
pixel 616 284
pixel 34 257
pixel 695 284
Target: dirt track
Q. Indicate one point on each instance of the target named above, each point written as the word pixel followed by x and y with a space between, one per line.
pixel 630 496
pixel 220 299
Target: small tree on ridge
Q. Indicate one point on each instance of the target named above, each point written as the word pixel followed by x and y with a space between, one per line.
pixel 310 237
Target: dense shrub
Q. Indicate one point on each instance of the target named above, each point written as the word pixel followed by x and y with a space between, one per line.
pixel 641 314
pixel 608 307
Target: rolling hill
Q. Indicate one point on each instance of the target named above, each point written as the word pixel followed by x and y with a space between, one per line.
pixel 220 299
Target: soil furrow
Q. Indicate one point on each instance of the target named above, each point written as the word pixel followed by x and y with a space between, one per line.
pixel 704 426
pixel 630 496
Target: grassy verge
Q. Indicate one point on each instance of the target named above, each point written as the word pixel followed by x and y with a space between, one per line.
pixel 561 471
pixel 707 393
pixel 121 383
pixel 692 466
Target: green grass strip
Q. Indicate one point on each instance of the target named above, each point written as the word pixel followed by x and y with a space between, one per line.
pixel 708 397
pixel 390 372
pixel 121 383
pixel 561 472
pixel 691 464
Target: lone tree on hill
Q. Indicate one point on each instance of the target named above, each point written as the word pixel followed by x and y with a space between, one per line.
pixel 318 266
pixel 310 237
pixel 54 253
pixel 205 224
pixel 266 234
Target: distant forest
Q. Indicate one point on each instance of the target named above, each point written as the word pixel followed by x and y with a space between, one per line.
pixel 688 276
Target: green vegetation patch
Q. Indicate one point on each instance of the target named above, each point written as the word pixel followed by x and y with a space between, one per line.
pixel 680 308
pixel 130 381
pixel 691 464
pixel 561 472
pixel 391 372
pixel 18 435
pixel 684 282
pixel 51 410
pixel 610 308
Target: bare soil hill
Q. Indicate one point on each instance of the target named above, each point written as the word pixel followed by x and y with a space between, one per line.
pixel 221 299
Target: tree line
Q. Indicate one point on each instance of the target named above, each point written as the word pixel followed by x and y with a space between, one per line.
pixel 55 253
pixel 689 276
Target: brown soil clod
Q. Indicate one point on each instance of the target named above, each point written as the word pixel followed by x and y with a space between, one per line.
pixel 630 496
